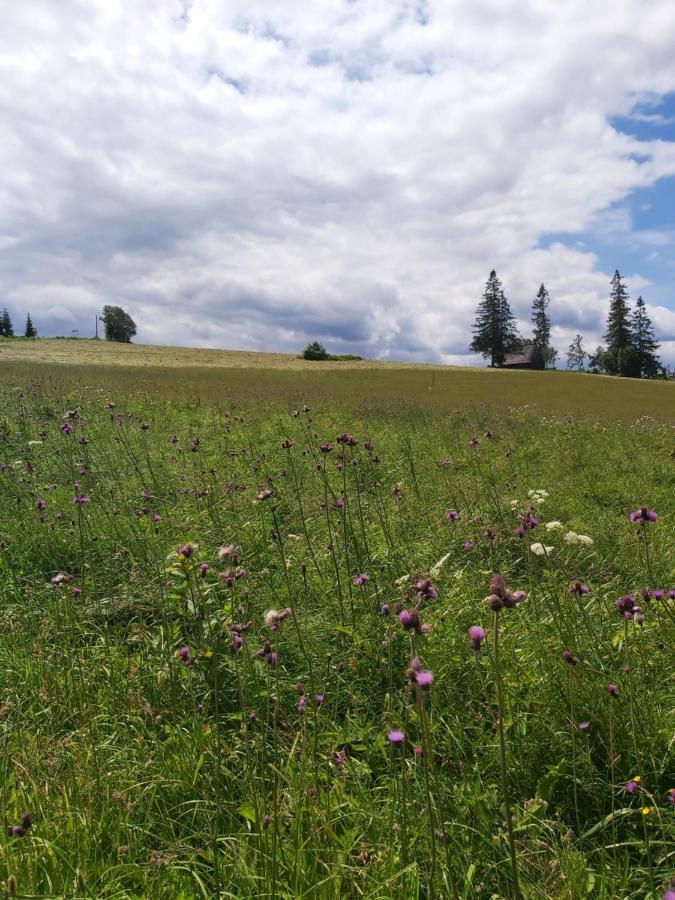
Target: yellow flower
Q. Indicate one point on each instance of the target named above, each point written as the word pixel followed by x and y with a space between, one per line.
pixel 636 778
pixel 646 810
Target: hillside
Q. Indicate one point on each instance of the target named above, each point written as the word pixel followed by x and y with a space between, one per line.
pixel 240 376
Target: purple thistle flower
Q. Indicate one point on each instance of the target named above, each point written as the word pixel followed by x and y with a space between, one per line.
pixel 361 579
pixel 341 758
pixel 417 750
pixel 474 442
pixel 578 587
pixel 187 550
pixel 384 609
pixel 81 500
pixel 77 591
pixel 396 737
pixel 469 545
pixel 657 594
pixel 184 653
pixel 302 702
pixel 631 786
pixel 67 428
pixel 476 636
pixel 272 659
pixel 643 515
pixel 519 532
pixel 424 679
pixel 318 699
pixel 266 821
pixel 625 605
pixel 584 726
pixel 613 690
pixel 569 658
pixel 669 894
pixel 671 796
pixel 41 505
pixel 203 569
pixel 452 516
pixel 17 831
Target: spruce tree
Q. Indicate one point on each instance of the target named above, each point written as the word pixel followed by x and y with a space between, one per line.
pixel 618 334
pixel 6 327
pixel 541 334
pixel 644 342
pixel 494 329
pixel 31 330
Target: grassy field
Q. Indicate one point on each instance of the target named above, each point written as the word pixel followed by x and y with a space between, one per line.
pixel 234 643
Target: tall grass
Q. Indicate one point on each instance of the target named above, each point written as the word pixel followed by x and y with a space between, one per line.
pixel 235 651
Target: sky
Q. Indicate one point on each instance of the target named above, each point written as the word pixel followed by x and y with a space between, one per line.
pixel 258 174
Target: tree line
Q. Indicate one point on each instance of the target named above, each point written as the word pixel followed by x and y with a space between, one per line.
pixel 118 325
pixel 7 327
pixel 630 350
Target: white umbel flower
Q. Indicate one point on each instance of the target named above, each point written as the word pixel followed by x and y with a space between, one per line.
pixel 540 550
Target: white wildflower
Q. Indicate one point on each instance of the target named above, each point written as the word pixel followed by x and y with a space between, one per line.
pixel 553 526
pixel 571 537
pixel 584 539
pixel 436 569
pixel 513 504
pixel 540 550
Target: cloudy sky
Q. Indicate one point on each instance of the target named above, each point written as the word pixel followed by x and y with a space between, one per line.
pixel 260 173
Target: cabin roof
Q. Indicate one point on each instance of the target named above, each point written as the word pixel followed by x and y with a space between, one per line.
pixel 527 354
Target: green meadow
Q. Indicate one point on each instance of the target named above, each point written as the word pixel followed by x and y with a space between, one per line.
pixel 236 594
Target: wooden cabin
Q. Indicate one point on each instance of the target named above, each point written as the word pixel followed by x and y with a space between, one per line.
pixel 528 356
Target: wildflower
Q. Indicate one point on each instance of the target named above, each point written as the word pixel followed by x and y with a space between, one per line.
pixel 41 505
pixel 266 821
pixel 632 784
pixel 474 442
pixel 184 653
pixel 396 738
pixel 646 810
pixel 436 569
pixel 578 587
pixel 274 617
pixel 625 605
pixel 384 609
pixel 229 552
pixel 341 758
pixel 540 549
pixel 452 515
pixel 417 750
pixel 61 578
pixel 203 569
pixel 584 726
pixel 361 579
pixel 187 550
pixel 669 894
pixel 77 592
pixel 476 636
pixel 271 659
pixel 571 537
pixel 81 500
pixel 569 658
pixel 67 428
pixel 501 597
pixel 302 702
pixel 585 539
pixel 446 462
pixel 264 494
pixel 553 526
pixel 318 699
pixel 643 515
pixel 425 590
pixel 613 690
pixel 424 679
pixel 468 546
pixel 657 594
pixel 671 796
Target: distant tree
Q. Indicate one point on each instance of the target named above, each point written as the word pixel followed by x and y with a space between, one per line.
pixel 494 329
pixel 576 355
pixel 31 330
pixel 6 327
pixel 315 350
pixel 597 361
pixel 618 334
pixel 642 333
pixel 119 326
pixel 541 335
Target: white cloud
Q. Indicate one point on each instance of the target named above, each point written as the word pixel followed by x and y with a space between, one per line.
pixel 257 173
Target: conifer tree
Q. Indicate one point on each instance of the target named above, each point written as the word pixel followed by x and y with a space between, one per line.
pixel 541 334
pixel 618 334
pixel 644 342
pixel 31 330
pixel 6 327
pixel 494 330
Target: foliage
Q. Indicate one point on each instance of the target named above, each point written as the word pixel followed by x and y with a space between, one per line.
pixel 618 334
pixel 6 327
pixel 494 329
pixel 648 364
pixel 541 333
pixel 164 733
pixel 118 324
pixel 315 351
pixel 30 331
pixel 576 355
